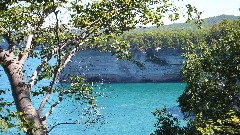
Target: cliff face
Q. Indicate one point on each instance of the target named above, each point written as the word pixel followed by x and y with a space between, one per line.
pixel 159 66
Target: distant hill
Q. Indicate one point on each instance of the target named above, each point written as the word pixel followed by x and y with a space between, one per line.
pixel 217 19
pixel 208 22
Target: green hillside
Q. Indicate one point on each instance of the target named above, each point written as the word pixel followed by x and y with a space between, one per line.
pixel 174 35
pixel 208 22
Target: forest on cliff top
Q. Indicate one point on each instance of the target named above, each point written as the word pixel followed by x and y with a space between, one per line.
pixel 173 35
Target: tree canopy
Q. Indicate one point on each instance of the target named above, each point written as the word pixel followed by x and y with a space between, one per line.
pixel 210 102
pixel 212 76
pixel 27 24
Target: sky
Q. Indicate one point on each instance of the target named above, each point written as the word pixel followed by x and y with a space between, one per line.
pixel 212 8
pixel 209 8
pixel 217 7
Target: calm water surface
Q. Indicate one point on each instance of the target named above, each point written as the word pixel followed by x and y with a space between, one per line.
pixel 126 108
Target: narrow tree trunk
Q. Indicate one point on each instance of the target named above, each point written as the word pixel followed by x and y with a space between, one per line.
pixel 21 95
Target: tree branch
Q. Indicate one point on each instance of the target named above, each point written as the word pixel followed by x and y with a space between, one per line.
pixel 62 123
pixel 83 37
pixel 48 94
pixel 57 72
pixel 24 55
pixel 60 99
pixel 35 73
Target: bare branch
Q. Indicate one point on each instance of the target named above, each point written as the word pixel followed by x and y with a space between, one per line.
pixel 35 73
pixel 60 99
pixel 57 35
pixel 24 55
pixel 65 61
pixel 29 40
pixel 62 123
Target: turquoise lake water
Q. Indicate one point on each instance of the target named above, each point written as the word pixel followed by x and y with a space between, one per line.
pixel 125 107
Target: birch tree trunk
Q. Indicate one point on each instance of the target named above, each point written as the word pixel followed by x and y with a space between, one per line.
pixel 21 94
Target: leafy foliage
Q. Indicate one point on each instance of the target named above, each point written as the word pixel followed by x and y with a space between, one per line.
pixel 167 124
pixel 212 72
pixel 212 76
pixel 211 99
pixel 58 29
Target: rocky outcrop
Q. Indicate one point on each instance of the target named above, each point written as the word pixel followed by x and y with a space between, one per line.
pixel 161 65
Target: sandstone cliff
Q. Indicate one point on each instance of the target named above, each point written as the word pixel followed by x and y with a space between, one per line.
pixel 161 65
